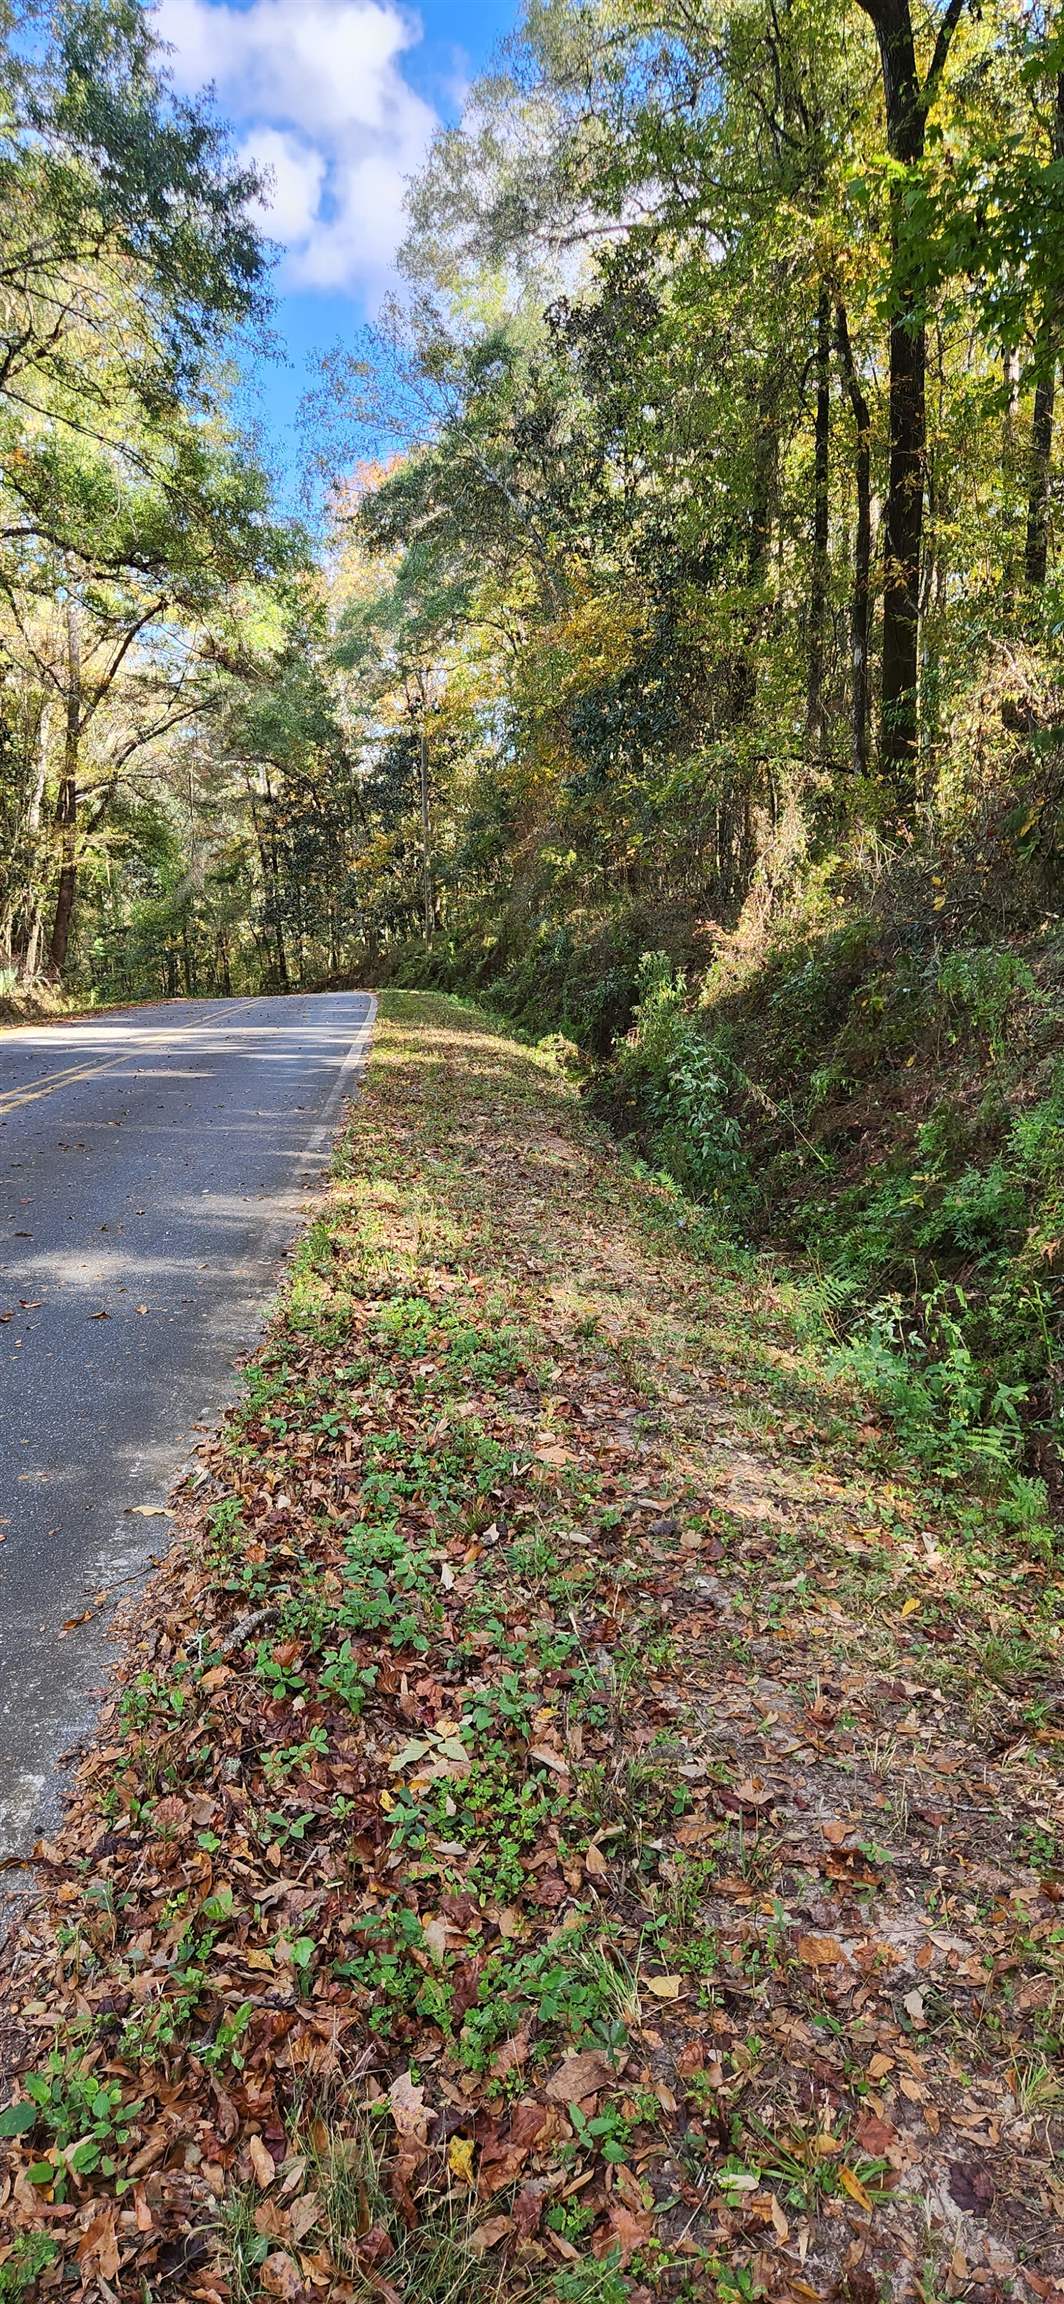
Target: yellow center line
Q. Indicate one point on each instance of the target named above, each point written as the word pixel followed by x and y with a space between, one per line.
pixel 14 1098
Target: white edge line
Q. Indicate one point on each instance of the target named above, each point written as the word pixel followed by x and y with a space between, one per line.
pixel 353 1061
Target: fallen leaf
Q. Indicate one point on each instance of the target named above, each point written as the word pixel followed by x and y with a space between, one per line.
pixel 281 2276
pixel 528 2210
pixel 460 2158
pixel 624 2231
pixel 99 2244
pixel 821 1952
pixel 304 2214
pixel 971 2189
pixel 550 1758
pixel 262 2162
pixel 853 2185
pixel 488 2235
pixel 579 2076
pixel 407 2100
pixel 876 2137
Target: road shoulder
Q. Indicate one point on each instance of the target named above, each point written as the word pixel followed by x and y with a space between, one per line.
pixel 575 1818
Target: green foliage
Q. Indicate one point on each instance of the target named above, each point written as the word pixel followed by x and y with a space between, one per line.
pixel 85 2119
pixel 31 2255
pixel 686 1087
pixel 982 984
pixel 937 1230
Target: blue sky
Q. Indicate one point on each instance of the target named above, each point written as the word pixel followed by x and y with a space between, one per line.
pixel 339 99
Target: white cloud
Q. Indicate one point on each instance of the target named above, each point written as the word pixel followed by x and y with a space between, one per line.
pixel 297 172
pixel 318 90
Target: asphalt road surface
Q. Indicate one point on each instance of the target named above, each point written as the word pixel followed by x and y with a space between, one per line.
pixel 154 1167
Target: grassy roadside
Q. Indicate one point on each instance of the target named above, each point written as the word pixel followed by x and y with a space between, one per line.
pixel 45 1007
pixel 40 1006
pixel 576 1820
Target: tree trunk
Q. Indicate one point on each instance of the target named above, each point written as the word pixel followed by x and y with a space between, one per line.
pixel 66 813
pixel 743 681
pixel 903 540
pixel 271 873
pixel 428 892
pixel 22 929
pixel 188 970
pixel 861 594
pixel 1010 469
pixel 818 579
pixel 1036 550
pixel 907 102
pixel 280 953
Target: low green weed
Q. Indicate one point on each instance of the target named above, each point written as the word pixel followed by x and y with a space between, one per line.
pixel 31 2255
pixel 85 2119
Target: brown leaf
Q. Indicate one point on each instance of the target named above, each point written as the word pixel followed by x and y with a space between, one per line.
pixel 407 2101
pixel 488 2235
pixel 304 2214
pixel 821 1952
pixel 510 2055
pixel 972 2189
pixel 262 2162
pixel 271 2221
pixel 550 1758
pixel 527 2211
pixel 579 2076
pixel 168 1815
pixel 374 2248
pixel 876 2137
pixel 624 2230
pixel 853 2185
pixel 99 2244
pixel 280 2276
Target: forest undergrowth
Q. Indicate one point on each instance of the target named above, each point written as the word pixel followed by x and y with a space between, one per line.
pixel 876 1092
pixel 578 1819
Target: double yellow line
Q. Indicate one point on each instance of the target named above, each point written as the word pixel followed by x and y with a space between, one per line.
pixel 13 1100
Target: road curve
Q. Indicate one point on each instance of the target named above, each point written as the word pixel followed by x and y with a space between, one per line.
pixel 154 1164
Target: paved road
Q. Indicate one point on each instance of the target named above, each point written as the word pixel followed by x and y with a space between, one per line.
pixel 154 1165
